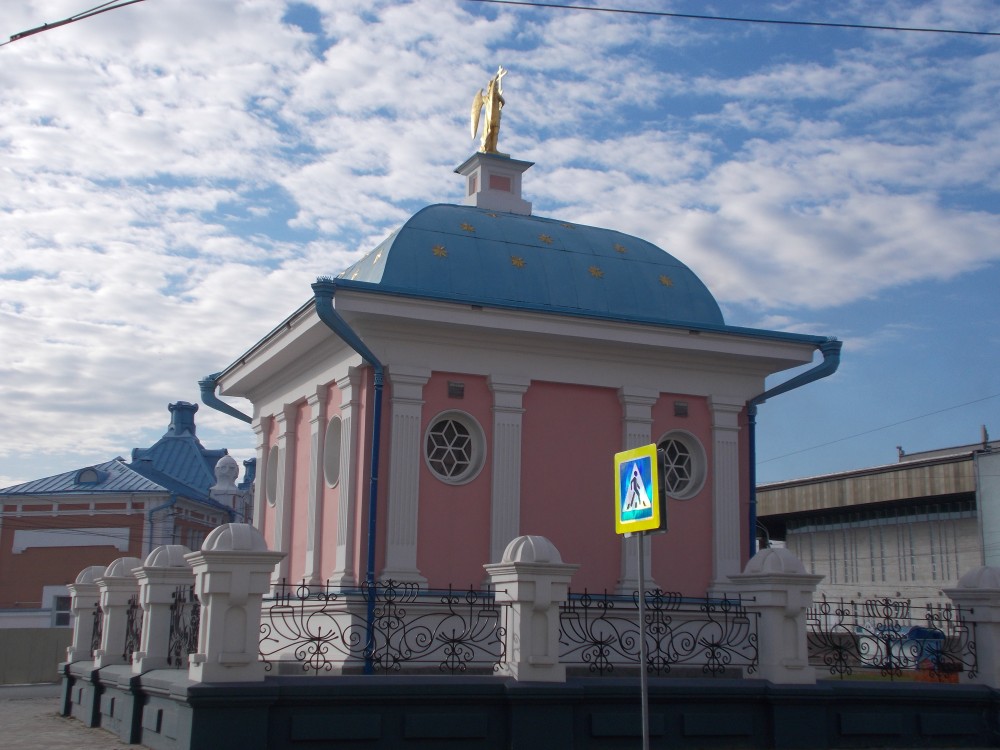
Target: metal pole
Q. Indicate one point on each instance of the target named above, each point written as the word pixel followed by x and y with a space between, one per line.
pixel 643 679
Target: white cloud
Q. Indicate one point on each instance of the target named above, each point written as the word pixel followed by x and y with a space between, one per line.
pixel 172 179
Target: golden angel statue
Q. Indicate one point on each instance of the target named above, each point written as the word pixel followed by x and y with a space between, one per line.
pixel 492 102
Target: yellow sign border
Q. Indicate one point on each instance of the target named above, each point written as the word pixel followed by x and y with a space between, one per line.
pixel 654 522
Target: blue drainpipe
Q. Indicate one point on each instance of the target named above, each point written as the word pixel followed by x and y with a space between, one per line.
pixel 323 291
pixel 831 361
pixel 208 397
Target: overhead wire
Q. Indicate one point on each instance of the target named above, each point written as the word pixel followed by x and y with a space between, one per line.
pixel 95 11
pixel 878 429
pixel 705 17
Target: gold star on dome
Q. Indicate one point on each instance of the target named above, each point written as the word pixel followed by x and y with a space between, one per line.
pixel 666 280
pixel 596 272
pixel 493 216
pixel 468 227
pixel 545 238
pixel 620 248
pixel 517 261
pixel 567 226
pixel 439 251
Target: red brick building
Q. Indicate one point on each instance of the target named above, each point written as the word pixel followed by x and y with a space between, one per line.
pixel 54 527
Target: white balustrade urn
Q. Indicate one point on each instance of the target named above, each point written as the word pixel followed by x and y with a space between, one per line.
pixel 164 571
pixel 232 572
pixel 85 598
pixel 774 584
pixel 534 582
pixel 118 587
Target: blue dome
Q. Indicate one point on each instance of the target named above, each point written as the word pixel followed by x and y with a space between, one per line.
pixel 477 256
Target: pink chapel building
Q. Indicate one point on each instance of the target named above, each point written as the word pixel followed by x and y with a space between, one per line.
pixel 470 379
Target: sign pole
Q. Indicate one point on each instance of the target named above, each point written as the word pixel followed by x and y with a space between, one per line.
pixel 640 507
pixel 643 677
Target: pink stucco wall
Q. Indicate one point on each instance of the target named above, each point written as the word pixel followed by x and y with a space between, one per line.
pixel 454 523
pixel 570 435
pixel 682 558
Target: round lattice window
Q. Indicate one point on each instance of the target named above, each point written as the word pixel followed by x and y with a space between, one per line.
pixel 683 465
pixel 454 447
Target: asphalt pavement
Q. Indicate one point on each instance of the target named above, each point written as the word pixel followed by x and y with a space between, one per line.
pixel 30 720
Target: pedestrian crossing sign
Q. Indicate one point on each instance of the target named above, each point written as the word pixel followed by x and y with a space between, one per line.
pixel 638 505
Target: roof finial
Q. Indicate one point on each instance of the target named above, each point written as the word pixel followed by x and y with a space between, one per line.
pixel 492 102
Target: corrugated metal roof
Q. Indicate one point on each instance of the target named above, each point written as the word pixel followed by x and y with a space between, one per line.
pixel 180 459
pixel 112 477
pixel 177 463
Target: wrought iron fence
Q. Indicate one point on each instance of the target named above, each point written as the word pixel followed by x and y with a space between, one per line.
pixel 602 632
pixel 323 628
pixel 185 619
pixel 97 628
pixel 885 637
pixel 133 628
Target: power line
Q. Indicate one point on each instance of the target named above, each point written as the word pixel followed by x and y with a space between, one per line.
pixel 878 429
pixel 95 11
pixel 700 17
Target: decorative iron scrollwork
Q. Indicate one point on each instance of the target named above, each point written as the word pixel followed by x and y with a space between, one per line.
pixel 97 629
pixel 185 619
pixel 602 632
pixel 320 626
pixel 882 635
pixel 133 628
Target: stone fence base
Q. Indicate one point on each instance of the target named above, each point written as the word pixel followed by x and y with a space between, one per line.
pixel 163 710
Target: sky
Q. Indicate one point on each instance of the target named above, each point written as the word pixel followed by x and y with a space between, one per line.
pixel 173 176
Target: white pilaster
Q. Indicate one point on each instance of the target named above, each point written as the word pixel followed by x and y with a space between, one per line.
pixel 343 570
pixel 637 426
pixel 404 473
pixel 505 503
pixel 284 423
pixel 726 537
pixel 314 520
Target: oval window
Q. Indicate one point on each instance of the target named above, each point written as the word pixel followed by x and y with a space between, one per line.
pixel 271 483
pixel 331 451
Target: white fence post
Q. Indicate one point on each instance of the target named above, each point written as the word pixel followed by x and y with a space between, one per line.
pixel 163 572
pixel 775 585
pixel 85 596
pixel 534 581
pixel 117 587
pixel 978 597
pixel 232 573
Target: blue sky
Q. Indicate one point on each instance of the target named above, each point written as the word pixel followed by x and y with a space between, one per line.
pixel 173 178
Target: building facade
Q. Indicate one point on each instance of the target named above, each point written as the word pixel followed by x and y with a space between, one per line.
pixel 470 379
pixel 907 530
pixel 54 527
